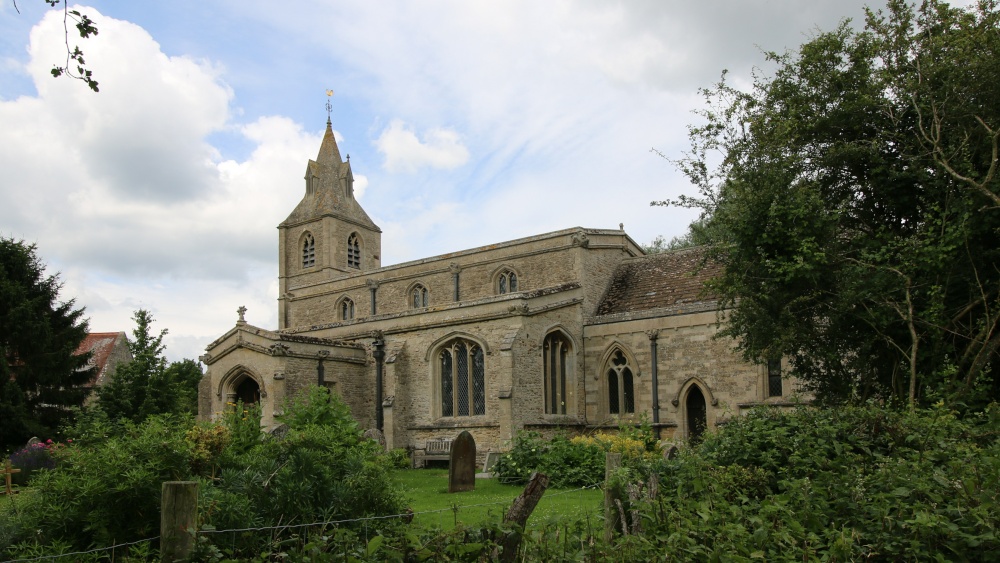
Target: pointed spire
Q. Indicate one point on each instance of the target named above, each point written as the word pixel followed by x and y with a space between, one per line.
pixel 329 153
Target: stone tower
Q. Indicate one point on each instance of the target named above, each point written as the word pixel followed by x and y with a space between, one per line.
pixel 328 235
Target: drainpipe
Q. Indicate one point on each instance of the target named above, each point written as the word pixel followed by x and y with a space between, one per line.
pixel 378 352
pixel 653 335
pixel 320 371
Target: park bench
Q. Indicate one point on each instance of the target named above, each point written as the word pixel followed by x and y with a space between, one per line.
pixel 434 450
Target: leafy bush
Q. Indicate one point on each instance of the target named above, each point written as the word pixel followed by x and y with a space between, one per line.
pixel 108 490
pixel 567 462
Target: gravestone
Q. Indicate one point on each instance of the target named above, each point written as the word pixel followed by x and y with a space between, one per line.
pixel 376 435
pixel 462 467
pixel 279 432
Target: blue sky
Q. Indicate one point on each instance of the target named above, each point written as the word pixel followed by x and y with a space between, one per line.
pixel 467 122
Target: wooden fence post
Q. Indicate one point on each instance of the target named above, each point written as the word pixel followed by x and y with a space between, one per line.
pixel 178 518
pixel 518 514
pixel 612 493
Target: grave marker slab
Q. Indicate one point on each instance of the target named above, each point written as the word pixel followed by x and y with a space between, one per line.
pixel 462 468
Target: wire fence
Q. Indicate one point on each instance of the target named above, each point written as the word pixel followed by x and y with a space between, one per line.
pixel 282 527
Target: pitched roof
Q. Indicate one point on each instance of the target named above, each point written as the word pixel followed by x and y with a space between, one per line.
pixel 101 345
pixel 657 281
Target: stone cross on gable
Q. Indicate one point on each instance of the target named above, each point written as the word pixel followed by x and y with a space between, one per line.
pixel 242 311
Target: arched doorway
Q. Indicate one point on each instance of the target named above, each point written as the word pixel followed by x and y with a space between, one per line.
pixel 248 391
pixel 697 414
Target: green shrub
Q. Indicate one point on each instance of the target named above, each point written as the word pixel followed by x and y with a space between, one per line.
pixel 565 462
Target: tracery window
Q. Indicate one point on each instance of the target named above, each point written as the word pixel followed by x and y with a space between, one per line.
pixel 353 251
pixel 462 375
pixel 774 378
pixel 308 251
pixel 507 282
pixel 418 296
pixel 620 385
pixel 347 309
pixel 555 356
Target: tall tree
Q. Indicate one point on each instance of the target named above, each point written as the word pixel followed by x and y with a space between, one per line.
pixel 139 388
pixel 40 375
pixel 856 206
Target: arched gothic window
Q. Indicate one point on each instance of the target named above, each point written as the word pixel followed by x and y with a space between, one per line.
pixel 347 309
pixel 353 251
pixel 620 385
pixel 507 282
pixel 462 376
pixel 555 357
pixel 418 296
pixel 308 251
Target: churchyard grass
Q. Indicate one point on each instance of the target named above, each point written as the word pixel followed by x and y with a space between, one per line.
pixel 426 490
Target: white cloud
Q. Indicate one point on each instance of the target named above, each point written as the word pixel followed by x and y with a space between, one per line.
pixel 404 152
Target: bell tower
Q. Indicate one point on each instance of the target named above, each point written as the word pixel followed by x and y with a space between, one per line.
pixel 328 235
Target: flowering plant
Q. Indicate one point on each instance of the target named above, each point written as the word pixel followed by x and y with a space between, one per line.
pixel 37 456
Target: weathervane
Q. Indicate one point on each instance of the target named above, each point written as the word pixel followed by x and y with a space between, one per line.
pixel 329 107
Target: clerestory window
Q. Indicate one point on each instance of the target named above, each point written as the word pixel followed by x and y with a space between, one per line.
pixel 462 379
pixel 353 251
pixel 347 309
pixel 418 296
pixel 507 282
pixel 308 251
pixel 620 385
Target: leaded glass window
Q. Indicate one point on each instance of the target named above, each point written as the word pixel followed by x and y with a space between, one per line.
pixel 347 309
pixel 774 378
pixel 507 282
pixel 353 252
pixel 418 296
pixel 308 251
pixel 621 385
pixel 555 354
pixel 463 379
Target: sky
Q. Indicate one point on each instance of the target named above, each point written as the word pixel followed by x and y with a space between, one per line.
pixel 468 123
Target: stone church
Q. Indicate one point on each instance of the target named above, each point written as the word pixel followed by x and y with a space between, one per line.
pixel 575 329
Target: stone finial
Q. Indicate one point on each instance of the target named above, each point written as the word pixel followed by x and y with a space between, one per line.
pixel 242 311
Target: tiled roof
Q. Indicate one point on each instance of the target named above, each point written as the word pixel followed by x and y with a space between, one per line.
pixel 657 281
pixel 101 344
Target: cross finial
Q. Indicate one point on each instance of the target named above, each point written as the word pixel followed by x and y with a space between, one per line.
pixel 329 106
pixel 242 311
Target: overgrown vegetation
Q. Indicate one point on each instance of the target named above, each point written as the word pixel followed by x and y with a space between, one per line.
pixel 105 488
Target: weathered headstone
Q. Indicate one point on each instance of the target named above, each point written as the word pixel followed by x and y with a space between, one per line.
pixel 491 460
pixel 462 466
pixel 279 432
pixel 376 435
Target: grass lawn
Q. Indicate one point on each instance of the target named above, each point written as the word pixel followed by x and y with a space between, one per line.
pixel 427 493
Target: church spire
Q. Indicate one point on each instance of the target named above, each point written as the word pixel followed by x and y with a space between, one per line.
pixel 329 153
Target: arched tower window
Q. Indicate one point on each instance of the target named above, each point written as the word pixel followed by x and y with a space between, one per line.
pixel 506 282
pixel 346 309
pixel 462 379
pixel 556 354
pixel 308 251
pixel 418 296
pixel 353 251
pixel 620 385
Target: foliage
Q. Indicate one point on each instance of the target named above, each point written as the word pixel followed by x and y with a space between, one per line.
pixel 856 206
pixel 831 484
pixel 106 488
pixel 40 455
pixel 574 462
pixel 40 375
pixel 146 385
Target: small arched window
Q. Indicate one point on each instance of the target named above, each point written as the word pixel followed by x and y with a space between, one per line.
pixel 462 378
pixel 308 251
pixel 620 385
pixel 507 282
pixel 418 296
pixel 353 251
pixel 347 309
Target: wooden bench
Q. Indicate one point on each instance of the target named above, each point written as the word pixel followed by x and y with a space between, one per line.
pixel 434 450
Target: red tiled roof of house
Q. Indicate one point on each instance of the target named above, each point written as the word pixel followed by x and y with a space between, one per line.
pixel 101 344
pixel 660 280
